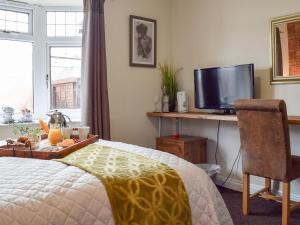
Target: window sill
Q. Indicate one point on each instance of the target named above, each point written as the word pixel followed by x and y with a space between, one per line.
pixel 36 122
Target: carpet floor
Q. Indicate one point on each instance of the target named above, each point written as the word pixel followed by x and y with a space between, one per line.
pixel 262 212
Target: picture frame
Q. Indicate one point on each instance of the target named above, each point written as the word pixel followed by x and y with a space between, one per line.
pixel 285 57
pixel 142 42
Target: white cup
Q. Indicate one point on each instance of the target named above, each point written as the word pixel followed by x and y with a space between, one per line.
pixel 67 131
pixel 83 133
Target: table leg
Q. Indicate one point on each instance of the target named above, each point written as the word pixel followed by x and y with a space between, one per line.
pixel 159 126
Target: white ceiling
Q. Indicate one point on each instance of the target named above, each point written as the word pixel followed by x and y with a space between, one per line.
pixel 54 2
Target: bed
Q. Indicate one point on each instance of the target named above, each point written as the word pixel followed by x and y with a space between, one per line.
pixel 38 192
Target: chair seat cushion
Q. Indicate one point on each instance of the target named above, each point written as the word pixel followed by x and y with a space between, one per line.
pixel 295 173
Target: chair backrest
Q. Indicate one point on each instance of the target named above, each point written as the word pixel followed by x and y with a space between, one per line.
pixel 265 140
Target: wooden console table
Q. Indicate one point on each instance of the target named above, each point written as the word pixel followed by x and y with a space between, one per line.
pixel 293 120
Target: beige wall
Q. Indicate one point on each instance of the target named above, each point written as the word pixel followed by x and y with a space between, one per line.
pixel 131 89
pixel 219 33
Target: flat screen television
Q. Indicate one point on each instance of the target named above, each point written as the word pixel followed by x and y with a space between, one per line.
pixel 218 88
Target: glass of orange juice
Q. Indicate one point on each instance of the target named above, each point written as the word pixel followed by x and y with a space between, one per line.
pixel 55 135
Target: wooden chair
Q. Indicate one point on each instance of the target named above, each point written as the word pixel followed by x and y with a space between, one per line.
pixel 265 144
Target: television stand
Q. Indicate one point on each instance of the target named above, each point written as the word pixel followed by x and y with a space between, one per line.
pixel 293 120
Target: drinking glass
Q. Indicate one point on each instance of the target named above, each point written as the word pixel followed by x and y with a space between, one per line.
pixel 55 135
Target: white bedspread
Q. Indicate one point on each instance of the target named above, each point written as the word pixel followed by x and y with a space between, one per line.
pixel 37 192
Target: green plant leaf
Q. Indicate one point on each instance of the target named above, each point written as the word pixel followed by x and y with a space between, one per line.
pixel 169 82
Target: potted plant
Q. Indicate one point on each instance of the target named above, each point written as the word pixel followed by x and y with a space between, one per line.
pixel 169 83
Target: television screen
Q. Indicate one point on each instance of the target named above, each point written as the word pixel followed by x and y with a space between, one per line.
pixel 218 88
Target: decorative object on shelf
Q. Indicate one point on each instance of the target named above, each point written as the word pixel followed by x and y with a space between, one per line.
pixel 169 83
pixel 285 34
pixel 157 104
pixel 57 117
pixel 8 113
pixel 182 102
pixel 26 116
pixel 142 42
pixel 165 103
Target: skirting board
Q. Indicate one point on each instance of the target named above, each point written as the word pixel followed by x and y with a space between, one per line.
pixel 236 185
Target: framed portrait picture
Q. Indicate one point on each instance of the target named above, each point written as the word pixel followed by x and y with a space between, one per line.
pixel 142 42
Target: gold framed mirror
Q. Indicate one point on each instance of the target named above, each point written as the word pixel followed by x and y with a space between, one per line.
pixel 285 34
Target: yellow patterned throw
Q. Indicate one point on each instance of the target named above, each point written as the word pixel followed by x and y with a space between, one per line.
pixel 141 191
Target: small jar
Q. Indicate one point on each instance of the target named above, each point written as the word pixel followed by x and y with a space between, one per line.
pixel 34 141
pixel 55 135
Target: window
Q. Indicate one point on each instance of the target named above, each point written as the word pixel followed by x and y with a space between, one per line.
pixel 40 55
pixel 65 69
pixel 64 60
pixel 14 21
pixel 64 24
pixel 16 89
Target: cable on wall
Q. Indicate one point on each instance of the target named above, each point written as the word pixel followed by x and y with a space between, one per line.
pixel 237 159
pixel 217 144
pixel 238 164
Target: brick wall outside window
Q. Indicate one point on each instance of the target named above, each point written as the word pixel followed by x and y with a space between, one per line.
pixel 66 94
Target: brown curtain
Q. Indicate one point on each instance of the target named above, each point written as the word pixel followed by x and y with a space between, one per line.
pixel 94 104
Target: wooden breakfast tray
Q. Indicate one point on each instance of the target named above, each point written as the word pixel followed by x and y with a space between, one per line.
pixel 45 150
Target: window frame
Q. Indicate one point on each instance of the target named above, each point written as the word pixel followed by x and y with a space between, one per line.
pixel 40 52
pixel 62 39
pixel 21 8
pixel 72 113
pixel 21 37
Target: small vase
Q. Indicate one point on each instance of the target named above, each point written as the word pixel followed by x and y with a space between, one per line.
pixel 157 104
pixel 165 103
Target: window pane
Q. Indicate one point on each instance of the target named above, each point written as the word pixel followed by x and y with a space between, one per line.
pixel 2 25
pixel 50 17
pixel 11 16
pixel 22 17
pixel 60 30
pixel 14 21
pixel 65 77
pixel 16 89
pixel 78 30
pixel 67 24
pixel 11 25
pixel 70 18
pixel 22 27
pixel 2 15
pixel 51 30
pixel 60 18
pixel 71 30
pixel 79 18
